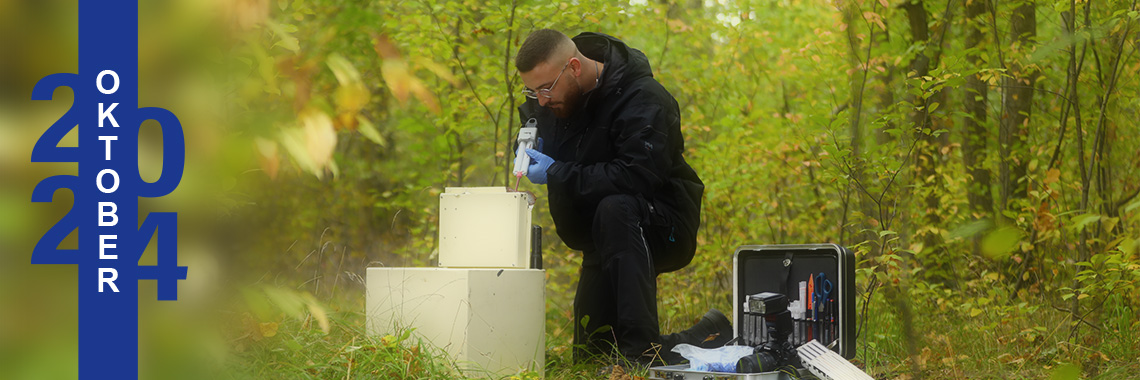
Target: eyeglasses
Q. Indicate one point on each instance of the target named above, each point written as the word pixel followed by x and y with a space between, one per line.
pixel 546 91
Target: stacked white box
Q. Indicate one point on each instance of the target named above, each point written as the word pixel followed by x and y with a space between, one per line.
pixel 485 308
pixel 484 227
pixel 491 321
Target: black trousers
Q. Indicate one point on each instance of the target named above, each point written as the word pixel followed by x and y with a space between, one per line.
pixel 616 302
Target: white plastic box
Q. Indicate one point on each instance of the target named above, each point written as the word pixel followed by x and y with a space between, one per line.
pixel 491 321
pixel 484 227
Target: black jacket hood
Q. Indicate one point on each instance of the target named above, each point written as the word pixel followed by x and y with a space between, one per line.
pixel 623 63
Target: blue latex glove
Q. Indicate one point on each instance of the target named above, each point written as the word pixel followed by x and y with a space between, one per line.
pixel 536 172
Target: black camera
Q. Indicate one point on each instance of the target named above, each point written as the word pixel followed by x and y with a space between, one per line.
pixel 767 325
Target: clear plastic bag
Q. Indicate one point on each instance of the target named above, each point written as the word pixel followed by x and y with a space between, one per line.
pixel 722 359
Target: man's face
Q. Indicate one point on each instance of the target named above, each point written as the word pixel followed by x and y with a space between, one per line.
pixel 558 80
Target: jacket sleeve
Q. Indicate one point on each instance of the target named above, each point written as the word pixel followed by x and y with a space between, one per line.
pixel 641 163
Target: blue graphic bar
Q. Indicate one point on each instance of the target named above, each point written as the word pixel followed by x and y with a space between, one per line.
pixel 107 98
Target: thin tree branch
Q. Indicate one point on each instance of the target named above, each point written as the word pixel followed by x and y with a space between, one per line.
pixel 510 96
pixel 462 67
pixel 1114 75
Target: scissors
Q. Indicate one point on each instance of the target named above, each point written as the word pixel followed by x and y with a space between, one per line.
pixel 822 291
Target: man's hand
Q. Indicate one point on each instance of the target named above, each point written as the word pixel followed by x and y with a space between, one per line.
pixel 536 172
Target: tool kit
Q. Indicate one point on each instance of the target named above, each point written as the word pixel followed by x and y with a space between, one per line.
pixel 795 304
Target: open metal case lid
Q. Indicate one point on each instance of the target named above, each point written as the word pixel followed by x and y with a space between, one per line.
pixel 780 268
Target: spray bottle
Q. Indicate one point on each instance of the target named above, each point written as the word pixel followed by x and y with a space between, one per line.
pixel 528 136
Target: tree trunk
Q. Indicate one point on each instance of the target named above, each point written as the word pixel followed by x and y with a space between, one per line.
pixel 1018 105
pixel 974 132
pixel 925 162
pixel 928 154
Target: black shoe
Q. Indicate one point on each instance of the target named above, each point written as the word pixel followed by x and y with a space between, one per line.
pixel 712 331
pixel 716 327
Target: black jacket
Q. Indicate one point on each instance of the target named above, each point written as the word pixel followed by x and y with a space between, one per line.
pixel 624 139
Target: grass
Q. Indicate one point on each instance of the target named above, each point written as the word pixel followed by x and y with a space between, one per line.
pixel 1016 341
pixel 300 350
pixel 977 331
pixel 1023 340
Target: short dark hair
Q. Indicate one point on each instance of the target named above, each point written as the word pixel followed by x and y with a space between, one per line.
pixel 539 47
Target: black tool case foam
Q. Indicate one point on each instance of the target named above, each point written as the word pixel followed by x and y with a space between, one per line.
pixel 780 268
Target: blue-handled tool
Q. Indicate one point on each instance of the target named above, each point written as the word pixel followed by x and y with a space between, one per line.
pixel 822 291
pixel 819 298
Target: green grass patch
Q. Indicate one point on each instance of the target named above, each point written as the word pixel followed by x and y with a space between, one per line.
pixel 1022 340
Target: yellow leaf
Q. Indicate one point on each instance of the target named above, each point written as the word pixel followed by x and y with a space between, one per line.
pixel 318 313
pixel 399 77
pixel 368 130
pixel 344 71
pixel 352 95
pixel 884 3
pixel 437 69
pixel 425 96
pixel 384 47
pixel 396 76
pixel 312 143
pixel 320 137
pixel 292 139
pixel 268 329
pixel 875 18
pixel 267 155
pixel 917 247
pixel 402 83
pixel 1052 176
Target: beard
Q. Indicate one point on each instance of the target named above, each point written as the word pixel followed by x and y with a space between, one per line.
pixel 564 108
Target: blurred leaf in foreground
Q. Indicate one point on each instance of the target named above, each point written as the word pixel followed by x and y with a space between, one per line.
pixel 998 244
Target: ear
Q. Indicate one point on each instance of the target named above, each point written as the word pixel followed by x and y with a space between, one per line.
pixel 575 67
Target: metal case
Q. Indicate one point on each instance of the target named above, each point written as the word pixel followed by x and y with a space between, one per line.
pixel 682 372
pixel 780 268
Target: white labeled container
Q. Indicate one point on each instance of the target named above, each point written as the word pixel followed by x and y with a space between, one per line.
pixel 490 321
pixel 484 227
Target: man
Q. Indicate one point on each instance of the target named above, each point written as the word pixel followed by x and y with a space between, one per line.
pixel 610 153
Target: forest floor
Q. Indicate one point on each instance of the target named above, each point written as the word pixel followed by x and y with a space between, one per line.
pixel 1020 341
